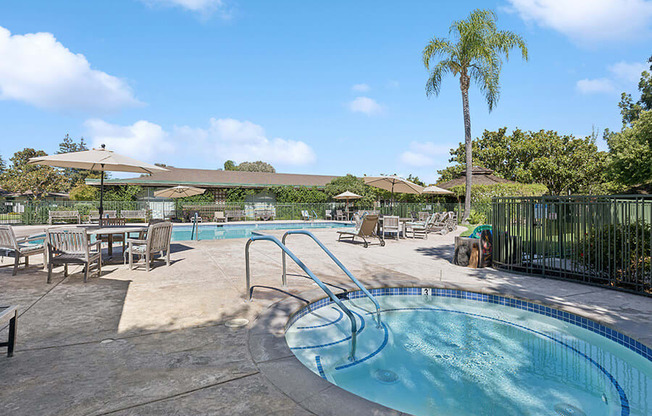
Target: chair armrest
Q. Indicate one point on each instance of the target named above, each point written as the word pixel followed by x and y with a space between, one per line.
pixel 97 243
pixel 137 241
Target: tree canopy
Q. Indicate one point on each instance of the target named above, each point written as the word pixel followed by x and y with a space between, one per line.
pixel 630 110
pixel 257 166
pixel 75 177
pixel 39 180
pixel 631 151
pixel 564 163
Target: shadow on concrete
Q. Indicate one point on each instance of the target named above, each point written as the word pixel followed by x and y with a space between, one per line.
pixel 438 253
pixel 178 248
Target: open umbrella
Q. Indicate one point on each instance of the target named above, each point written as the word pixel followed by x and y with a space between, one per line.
pixel 179 192
pixel 435 190
pixel 101 160
pixel 393 184
pixel 347 195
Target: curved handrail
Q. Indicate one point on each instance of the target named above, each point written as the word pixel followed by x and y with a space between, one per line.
pixel 349 314
pixel 337 261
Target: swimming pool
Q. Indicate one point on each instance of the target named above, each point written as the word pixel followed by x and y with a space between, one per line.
pixel 244 230
pixel 450 352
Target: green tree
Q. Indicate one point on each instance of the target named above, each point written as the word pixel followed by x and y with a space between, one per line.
pixel 564 163
pixel 39 180
pixel 3 165
pixel 257 166
pixel 630 110
pixel 475 53
pixel 123 193
pixel 83 192
pixel 75 176
pixel 631 151
pixel 230 165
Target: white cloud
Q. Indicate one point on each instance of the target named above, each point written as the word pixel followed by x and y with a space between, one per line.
pixel 37 69
pixel 141 140
pixel 598 85
pixel 421 154
pixel 626 71
pixel 223 139
pixel 589 20
pixel 365 105
pixel 361 87
pixel 246 141
pixel 205 7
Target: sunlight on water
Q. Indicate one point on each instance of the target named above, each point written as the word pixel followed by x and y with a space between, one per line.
pixel 463 357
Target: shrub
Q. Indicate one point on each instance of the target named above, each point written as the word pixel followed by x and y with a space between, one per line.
pixel 477 217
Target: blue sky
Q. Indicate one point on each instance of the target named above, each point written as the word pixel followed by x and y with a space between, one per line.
pixel 311 87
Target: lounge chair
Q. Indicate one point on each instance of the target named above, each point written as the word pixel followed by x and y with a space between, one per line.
pixel 391 225
pixel 366 230
pixel 157 242
pixel 305 215
pixel 71 246
pixel 420 228
pixel 219 216
pixel 10 246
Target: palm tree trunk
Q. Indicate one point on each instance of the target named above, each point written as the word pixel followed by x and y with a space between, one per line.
pixel 464 81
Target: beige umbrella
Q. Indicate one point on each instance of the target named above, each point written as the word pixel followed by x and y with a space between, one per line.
pixel 101 160
pixel 179 192
pixel 347 195
pixel 435 190
pixel 393 184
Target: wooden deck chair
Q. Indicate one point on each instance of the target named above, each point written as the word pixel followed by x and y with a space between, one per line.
pixel 365 231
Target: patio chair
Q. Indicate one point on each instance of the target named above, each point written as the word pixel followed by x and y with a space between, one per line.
pixel 423 216
pixel 72 246
pixel 112 238
pixel 366 230
pixel 328 214
pixel 339 215
pixel 219 216
pixel 391 225
pixel 10 246
pixel 420 228
pixel 305 215
pixel 94 215
pixel 157 242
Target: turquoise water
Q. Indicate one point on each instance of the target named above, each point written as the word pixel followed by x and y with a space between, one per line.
pixel 446 356
pixel 223 231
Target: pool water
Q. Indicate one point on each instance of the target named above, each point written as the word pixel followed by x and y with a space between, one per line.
pixel 224 231
pixel 437 355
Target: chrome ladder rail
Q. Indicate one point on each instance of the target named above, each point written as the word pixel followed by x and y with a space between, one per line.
pixel 338 262
pixel 338 302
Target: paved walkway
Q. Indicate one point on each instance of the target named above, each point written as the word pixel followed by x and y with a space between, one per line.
pixel 133 342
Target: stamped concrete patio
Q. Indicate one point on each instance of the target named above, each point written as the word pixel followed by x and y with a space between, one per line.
pixel 133 342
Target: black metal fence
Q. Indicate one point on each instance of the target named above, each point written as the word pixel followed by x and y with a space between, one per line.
pixel 602 240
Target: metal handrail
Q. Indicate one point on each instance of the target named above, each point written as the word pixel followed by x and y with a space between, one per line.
pixel 349 314
pixel 338 262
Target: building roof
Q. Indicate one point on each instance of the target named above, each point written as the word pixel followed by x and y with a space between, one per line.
pixel 209 178
pixel 480 176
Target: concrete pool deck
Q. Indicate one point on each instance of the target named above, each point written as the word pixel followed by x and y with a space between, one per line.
pixel 133 342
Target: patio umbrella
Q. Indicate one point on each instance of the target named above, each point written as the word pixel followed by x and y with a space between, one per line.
pixel 393 184
pixel 179 192
pixel 101 160
pixel 435 190
pixel 347 195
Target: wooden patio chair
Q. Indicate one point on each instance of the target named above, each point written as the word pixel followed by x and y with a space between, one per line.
pixel 157 242
pixel 72 246
pixel 391 225
pixel 219 216
pixel 10 246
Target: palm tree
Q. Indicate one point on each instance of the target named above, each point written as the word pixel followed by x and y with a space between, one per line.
pixel 474 53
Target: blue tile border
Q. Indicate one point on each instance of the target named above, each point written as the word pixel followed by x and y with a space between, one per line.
pixel 611 334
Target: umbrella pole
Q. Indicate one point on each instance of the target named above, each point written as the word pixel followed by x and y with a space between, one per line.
pixel 101 193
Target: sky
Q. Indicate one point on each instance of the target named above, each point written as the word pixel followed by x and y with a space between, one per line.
pixel 309 86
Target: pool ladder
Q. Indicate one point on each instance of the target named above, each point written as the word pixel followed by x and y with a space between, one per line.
pixel 286 252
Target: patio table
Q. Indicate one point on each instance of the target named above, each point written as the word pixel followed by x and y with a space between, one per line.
pixel 9 314
pixel 111 230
